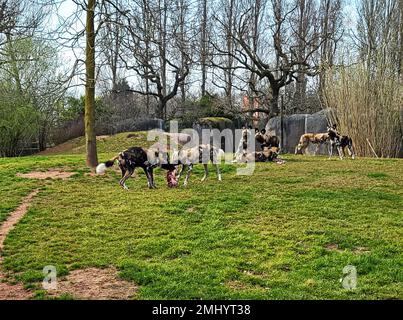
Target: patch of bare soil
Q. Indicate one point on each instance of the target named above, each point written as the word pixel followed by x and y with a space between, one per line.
pixel 13 291
pixel 361 250
pixel 95 284
pixel 52 173
pixel 104 137
pixel 10 291
pixel 333 247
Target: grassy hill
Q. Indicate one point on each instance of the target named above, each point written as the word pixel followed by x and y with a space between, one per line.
pixel 285 232
pixel 105 144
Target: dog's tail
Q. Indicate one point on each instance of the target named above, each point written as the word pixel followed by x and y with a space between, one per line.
pixel 101 168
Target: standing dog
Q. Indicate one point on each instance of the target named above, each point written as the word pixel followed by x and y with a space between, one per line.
pixel 341 142
pixel 132 158
pixel 307 138
pixel 199 154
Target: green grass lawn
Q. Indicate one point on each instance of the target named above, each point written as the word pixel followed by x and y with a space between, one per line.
pixel 272 235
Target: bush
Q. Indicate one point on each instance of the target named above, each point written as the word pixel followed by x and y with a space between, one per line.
pixel 366 104
pixel 18 124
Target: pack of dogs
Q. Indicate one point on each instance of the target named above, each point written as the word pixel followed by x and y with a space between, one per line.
pixel 184 159
pixel 332 138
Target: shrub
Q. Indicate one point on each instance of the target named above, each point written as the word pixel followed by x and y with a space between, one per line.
pixel 366 104
pixel 18 124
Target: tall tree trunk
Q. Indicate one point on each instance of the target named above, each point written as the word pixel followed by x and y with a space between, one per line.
pixel 228 87
pixel 146 22
pixel 162 49
pixel 400 41
pixel 161 108
pixel 182 40
pixel 303 25
pixel 204 48
pixel 274 107
pixel 89 119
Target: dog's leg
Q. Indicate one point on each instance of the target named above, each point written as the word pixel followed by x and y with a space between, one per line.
pixel 205 172
pixel 180 172
pixel 331 149
pixel 149 183
pixel 151 173
pixel 341 151
pixel 316 149
pixel 218 172
pixel 351 151
pixel 126 176
pixel 190 168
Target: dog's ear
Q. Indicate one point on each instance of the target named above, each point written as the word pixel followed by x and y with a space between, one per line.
pixel 263 131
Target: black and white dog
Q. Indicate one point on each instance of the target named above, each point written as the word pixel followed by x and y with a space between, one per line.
pixel 340 142
pixel 134 157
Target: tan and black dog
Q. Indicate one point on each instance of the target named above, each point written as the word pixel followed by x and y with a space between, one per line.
pixel 268 154
pixel 307 138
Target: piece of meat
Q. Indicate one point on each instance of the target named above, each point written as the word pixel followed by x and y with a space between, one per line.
pixel 172 181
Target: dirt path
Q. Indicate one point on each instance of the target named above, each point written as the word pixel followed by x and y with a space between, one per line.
pixel 89 283
pixel 10 291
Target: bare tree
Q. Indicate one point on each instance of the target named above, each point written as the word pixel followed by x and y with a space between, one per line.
pixel 281 68
pixel 307 29
pixel 379 34
pixel 221 41
pixel 331 20
pixel 158 52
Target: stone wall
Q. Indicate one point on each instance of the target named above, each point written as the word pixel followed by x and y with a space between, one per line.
pixel 296 125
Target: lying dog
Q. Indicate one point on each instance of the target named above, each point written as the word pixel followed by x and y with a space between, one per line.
pixel 268 154
pixel 203 153
pixel 134 157
pixel 266 140
pixel 340 142
pixel 307 138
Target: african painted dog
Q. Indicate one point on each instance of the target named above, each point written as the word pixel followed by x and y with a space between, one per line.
pixel 203 153
pixel 266 140
pixel 307 138
pixel 132 158
pixel 268 154
pixel 340 142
